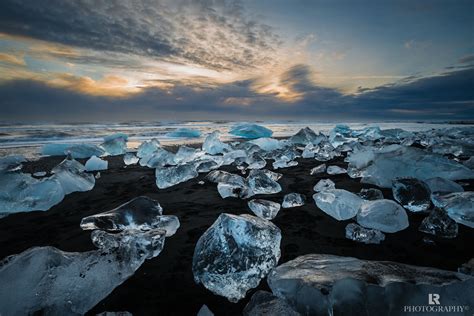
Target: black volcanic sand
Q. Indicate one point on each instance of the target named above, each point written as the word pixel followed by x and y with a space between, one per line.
pixel 165 285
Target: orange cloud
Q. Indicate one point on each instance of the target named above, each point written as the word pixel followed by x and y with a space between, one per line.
pixel 12 59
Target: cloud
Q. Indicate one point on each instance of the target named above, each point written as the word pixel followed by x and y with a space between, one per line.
pixel 217 34
pixel 12 59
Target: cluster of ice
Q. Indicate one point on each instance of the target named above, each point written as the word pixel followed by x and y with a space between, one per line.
pixel 364 235
pixel 459 206
pixel 320 284
pixel 264 209
pixel 94 163
pixel 115 144
pixel 76 151
pixel 293 200
pixel 184 133
pixel 235 253
pixel 246 130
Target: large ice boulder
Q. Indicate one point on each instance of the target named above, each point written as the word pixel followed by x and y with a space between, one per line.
pixel 94 163
pixel 184 133
pixel 235 253
pixel 264 209
pixel 247 130
pixel 213 145
pixel 338 203
pixel 458 205
pixel 383 215
pixel 76 151
pixel 73 177
pixel 307 136
pixel 320 284
pixel 115 144
pixel 148 147
pixel 169 176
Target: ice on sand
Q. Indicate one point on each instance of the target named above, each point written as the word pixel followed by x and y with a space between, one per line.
pixel 130 159
pixel 412 194
pixel 213 146
pixel 247 130
pixel 293 200
pixel 73 177
pixel 458 205
pixel 319 169
pixel 11 163
pixel 263 208
pixel 169 176
pixel 148 147
pixel 320 284
pixel 335 170
pixel 340 204
pixel 235 253
pixel 140 213
pixel 77 151
pixel 384 215
pixel 94 163
pixel 364 235
pixel 324 185
pixel 261 182
pixel 115 144
pixel 438 223
pixel 184 133
pixel 370 194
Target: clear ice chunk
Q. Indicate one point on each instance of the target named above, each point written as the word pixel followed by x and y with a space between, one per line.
pixel 293 200
pixel 94 163
pixel 184 133
pixel 340 204
pixel 168 176
pixel 115 144
pixel 324 185
pixel 267 144
pixel 309 151
pixel 130 159
pixel 442 185
pixel 264 209
pixel 159 158
pixel 307 136
pixel 370 194
pixel 260 182
pixel 235 253
pixel 140 213
pixel 438 223
pixel 412 194
pixel 384 215
pixel 265 303
pixel 185 154
pixel 458 205
pixel 365 235
pixel 53 282
pixel 319 169
pixel 335 170
pixel 320 284
pixel 73 177
pixel 11 163
pixel 77 151
pixel 248 130
pixel 213 146
pixel 148 147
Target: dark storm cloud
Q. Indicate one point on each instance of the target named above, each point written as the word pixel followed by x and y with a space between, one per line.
pixel 447 96
pixel 216 34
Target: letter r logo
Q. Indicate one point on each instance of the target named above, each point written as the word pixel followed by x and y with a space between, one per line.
pixel 433 299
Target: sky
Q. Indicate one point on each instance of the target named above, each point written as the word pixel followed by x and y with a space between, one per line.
pixel 87 60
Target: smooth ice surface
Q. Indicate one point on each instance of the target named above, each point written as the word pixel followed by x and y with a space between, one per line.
pixel 265 303
pixel 130 159
pixel 320 284
pixel 293 200
pixel 148 147
pixel 247 130
pixel 438 223
pixel 267 144
pixel 213 146
pixel 335 170
pixel 370 194
pixel 306 136
pixel 11 163
pixel 20 192
pixel 324 185
pixel 260 182
pixel 184 133
pixel 442 185
pixel 140 213
pixel 235 253
pixel 319 169
pixel 263 208
pixel 115 144
pixel 77 151
pixel 458 205
pixel 384 215
pixel 73 177
pixel 185 154
pixel 412 194
pixel 53 282
pixel 364 235
pixel 94 163
pixel 169 176
pixel 159 158
pixel 381 166
pixel 340 204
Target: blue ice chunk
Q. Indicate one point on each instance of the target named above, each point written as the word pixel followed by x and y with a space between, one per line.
pixel 247 130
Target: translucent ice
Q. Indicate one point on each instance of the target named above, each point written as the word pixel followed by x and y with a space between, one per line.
pixel 458 205
pixel 259 182
pixel 77 151
pixel 319 169
pixel 73 177
pixel 324 185
pixel 130 159
pixel 247 130
pixel 159 158
pixel 306 136
pixel 184 133
pixel 140 213
pixel 94 163
pixel 264 209
pixel 53 282
pixel 278 164
pixel 148 147
pixel 335 170
pixel 384 215
pixel 370 194
pixel 235 253
pixel 293 200
pixel 205 311
pixel 364 235
pixel 340 204
pixel 11 163
pixel 40 174
pixel 442 185
pixel 169 176
pixel 213 146
pixel 185 154
pixel 265 303
pixel 320 284
pixel 267 144
pixel 412 194
pixel 309 151
pixel 440 224
pixel 115 144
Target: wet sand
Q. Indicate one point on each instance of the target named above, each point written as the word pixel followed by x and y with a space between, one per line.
pixel 165 285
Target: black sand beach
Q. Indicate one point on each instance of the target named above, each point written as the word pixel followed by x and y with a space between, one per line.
pixel 165 285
